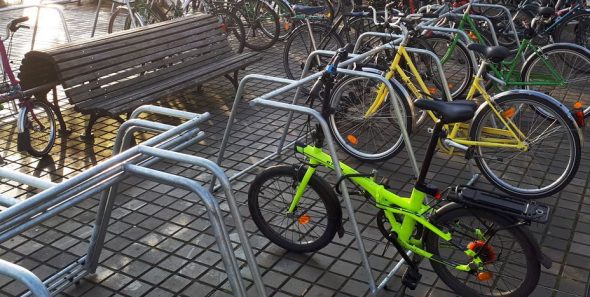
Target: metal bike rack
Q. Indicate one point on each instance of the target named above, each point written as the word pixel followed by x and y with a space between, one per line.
pixel 457 12
pixel 39 7
pixel 105 177
pixel 264 100
pixel 126 2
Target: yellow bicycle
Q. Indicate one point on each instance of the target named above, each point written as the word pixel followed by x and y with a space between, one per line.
pixel 524 142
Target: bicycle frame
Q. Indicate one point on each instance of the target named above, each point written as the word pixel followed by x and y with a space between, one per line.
pixel 509 77
pixel 412 208
pixel 516 136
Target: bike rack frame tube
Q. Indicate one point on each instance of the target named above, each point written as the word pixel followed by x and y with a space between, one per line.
pixel 26 179
pixel 215 217
pixel 396 268
pixel 26 277
pixel 7 201
pixel 364 35
pixel 39 6
pixel 332 150
pixel 54 191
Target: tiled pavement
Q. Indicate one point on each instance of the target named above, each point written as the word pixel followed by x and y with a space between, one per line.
pixel 159 241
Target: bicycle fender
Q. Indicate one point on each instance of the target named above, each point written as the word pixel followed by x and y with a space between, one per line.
pixel 541 257
pixel 546 97
pixel 400 88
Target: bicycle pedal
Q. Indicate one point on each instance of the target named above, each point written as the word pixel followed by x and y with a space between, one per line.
pixel 411 278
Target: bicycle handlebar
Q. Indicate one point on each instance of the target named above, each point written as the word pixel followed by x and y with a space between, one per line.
pixel 13 26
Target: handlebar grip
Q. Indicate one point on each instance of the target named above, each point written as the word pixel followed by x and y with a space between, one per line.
pixel 13 25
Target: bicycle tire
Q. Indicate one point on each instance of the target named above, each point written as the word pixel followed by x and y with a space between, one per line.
pixel 120 17
pixel 572 63
pixel 261 23
pixel 232 26
pixel 40 128
pixel 358 135
pixel 453 218
pixel 550 125
pixel 324 198
pixel 574 29
pixel 459 67
pixel 298 47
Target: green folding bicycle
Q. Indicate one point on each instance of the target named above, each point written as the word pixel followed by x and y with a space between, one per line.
pixel 477 243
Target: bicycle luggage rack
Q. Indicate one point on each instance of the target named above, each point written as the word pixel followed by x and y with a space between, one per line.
pixel 104 178
pixel 265 101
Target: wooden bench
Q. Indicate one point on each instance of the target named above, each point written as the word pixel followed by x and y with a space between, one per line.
pixel 113 74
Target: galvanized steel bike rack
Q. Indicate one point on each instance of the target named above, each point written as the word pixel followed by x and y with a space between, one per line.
pixel 22 215
pixel 265 101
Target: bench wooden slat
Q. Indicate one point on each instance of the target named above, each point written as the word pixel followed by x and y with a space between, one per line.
pixel 79 89
pixel 138 81
pixel 177 84
pixel 145 47
pixel 76 76
pixel 157 28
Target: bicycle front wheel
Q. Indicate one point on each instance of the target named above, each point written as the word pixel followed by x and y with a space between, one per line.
pixel 299 45
pixel 508 256
pixel 552 154
pixel 563 64
pixel 232 27
pixel 313 223
pixel 370 137
pixel 39 124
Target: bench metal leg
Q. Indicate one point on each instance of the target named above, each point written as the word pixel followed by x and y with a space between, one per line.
pixel 234 80
pixel 88 136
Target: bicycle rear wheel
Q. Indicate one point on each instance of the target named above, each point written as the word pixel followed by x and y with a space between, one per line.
pixel 554 147
pixel 575 29
pixel 372 138
pixel 315 220
pixel 261 23
pixel 509 257
pixel 119 20
pixel 40 131
pixel 299 45
pixel 569 62
pixel 233 29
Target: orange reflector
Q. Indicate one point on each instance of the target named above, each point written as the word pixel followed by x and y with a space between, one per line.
pixel 509 113
pixel 287 26
pixel 472 36
pixel 352 139
pixel 578 105
pixel 484 276
pixel 432 90
pixel 304 219
pixel 578 113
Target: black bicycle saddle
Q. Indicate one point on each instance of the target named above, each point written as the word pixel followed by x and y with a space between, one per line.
pixel 449 112
pixel 493 53
pixel 546 11
pixel 308 10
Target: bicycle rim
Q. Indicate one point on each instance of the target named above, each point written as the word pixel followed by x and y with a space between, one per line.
pixel 508 256
pixel 312 224
pixel 374 138
pixel 299 46
pixel 553 153
pixel 40 123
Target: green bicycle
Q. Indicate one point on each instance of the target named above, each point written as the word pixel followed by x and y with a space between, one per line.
pixel 559 70
pixel 477 243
